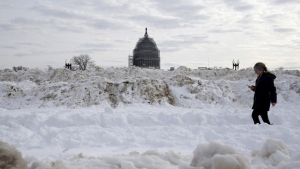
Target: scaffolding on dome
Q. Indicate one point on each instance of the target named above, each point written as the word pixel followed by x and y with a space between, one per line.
pixel 145 54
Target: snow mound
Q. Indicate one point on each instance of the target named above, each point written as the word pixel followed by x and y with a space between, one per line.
pixel 292 164
pixel 10 157
pixel 204 153
pixel 274 146
pixel 232 161
pixel 59 164
pixel 152 152
pixel 182 68
pixel 278 157
pixel 117 86
pixel 278 154
pixel 90 92
pixel 276 150
pixel 130 161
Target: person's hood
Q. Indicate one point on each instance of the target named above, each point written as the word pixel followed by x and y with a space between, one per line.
pixel 271 75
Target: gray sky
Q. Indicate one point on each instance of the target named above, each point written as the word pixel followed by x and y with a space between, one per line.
pixel 187 32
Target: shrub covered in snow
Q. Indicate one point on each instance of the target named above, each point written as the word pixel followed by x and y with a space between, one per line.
pixel 10 157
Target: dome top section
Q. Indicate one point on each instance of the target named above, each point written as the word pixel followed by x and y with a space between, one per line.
pixel 146 44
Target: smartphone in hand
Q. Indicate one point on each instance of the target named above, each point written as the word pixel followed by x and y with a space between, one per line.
pixel 251 87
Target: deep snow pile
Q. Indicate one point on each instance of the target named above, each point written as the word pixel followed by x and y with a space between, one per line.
pixel 182 87
pixel 212 155
pixel 217 156
pixel 137 118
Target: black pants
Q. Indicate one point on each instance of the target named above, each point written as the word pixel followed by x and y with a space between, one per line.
pixel 263 114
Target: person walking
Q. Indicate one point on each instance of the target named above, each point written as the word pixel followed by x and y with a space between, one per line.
pixel 264 93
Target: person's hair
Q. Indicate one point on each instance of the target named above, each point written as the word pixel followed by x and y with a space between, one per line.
pixel 260 64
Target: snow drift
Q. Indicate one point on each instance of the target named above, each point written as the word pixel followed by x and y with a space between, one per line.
pixel 276 150
pixel 182 87
pixel 108 118
pixel 234 161
pixel 271 146
pixel 215 155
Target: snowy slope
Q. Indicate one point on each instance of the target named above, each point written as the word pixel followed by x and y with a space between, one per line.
pixel 139 118
pixel 183 87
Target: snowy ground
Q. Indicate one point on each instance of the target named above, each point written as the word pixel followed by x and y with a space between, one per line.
pixel 132 118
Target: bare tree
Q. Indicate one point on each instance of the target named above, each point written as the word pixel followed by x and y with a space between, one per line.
pixel 83 61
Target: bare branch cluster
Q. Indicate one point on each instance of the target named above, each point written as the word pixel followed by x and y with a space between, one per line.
pixel 83 61
pixel 20 68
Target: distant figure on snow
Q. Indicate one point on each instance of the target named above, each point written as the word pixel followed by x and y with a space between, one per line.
pixel 264 93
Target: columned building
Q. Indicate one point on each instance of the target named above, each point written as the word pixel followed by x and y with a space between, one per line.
pixel 145 54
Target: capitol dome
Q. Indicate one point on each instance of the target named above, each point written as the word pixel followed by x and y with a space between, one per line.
pixel 145 54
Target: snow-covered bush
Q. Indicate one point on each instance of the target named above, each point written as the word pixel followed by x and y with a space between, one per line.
pixel 204 153
pixel 10 157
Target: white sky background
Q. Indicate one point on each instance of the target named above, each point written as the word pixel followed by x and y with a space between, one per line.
pixel 188 32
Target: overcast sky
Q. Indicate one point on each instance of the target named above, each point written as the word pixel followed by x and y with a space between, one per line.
pixel 188 32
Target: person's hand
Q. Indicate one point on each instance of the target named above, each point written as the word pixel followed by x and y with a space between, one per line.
pixel 273 104
pixel 251 87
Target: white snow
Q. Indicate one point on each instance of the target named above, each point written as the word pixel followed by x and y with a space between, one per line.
pixel 204 153
pixel 276 150
pixel 138 118
pixel 234 161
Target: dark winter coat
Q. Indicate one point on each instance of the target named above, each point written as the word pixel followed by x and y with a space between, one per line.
pixel 265 92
